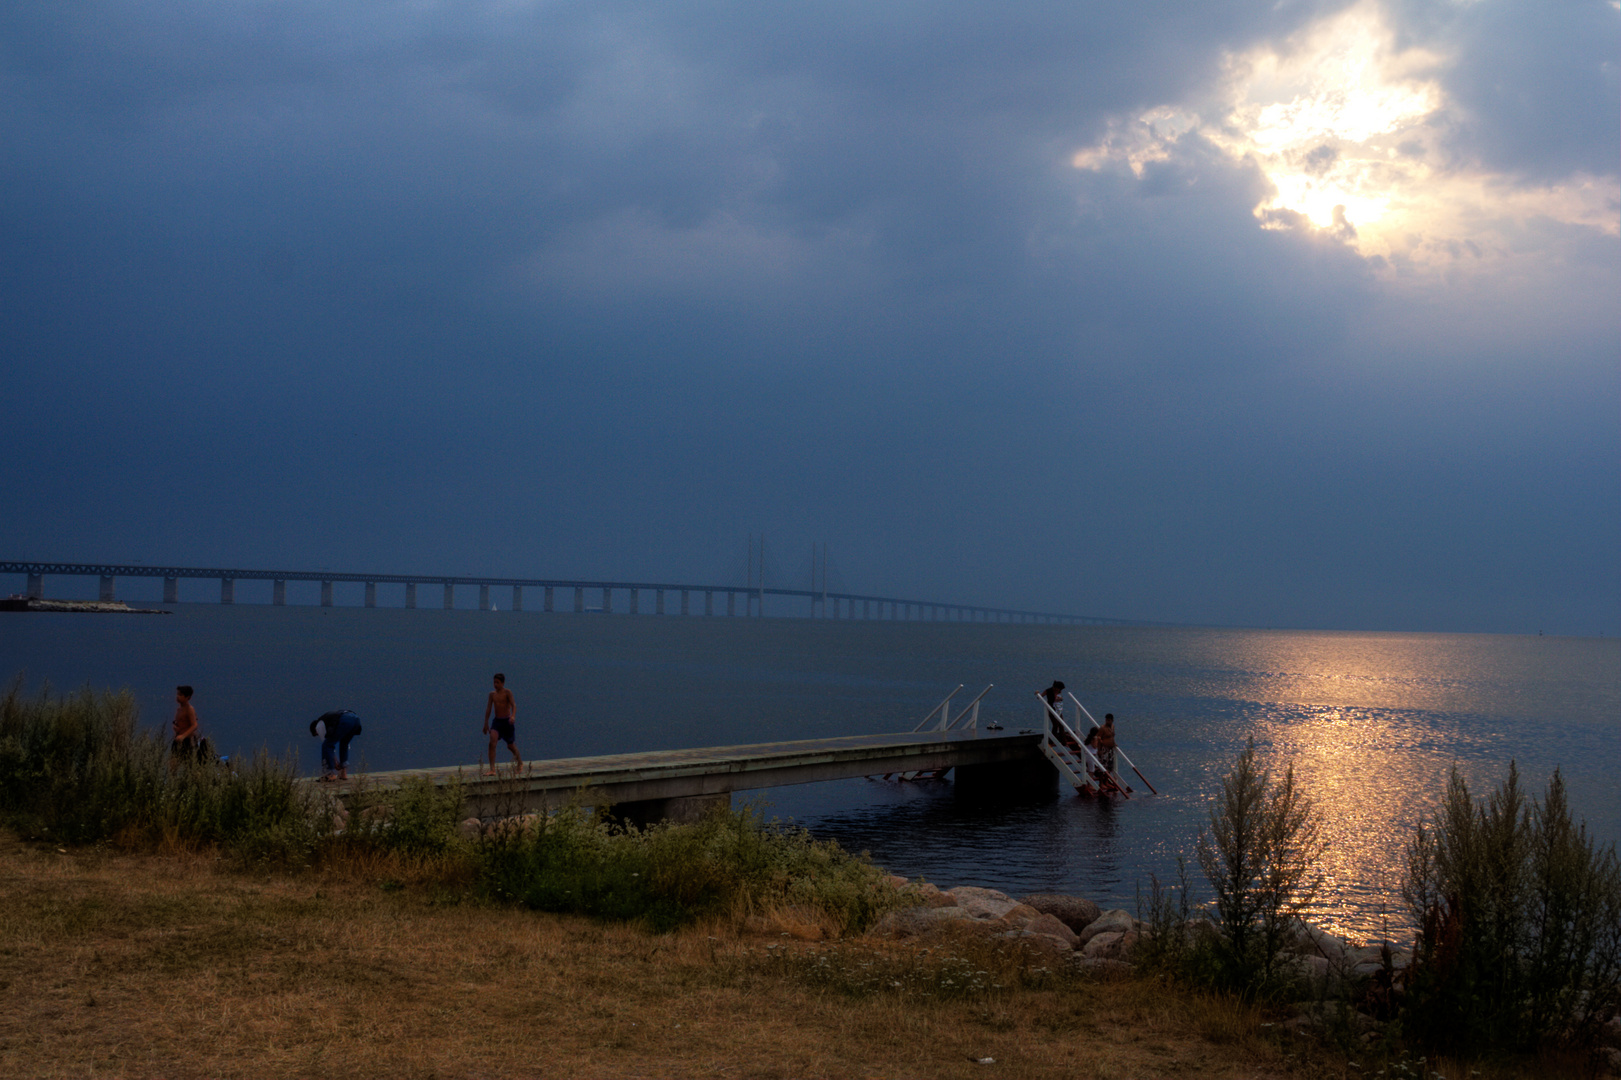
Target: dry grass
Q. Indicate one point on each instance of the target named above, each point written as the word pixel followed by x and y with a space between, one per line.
pixel 176 966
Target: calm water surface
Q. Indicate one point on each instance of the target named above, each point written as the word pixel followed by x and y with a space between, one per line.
pixel 1371 722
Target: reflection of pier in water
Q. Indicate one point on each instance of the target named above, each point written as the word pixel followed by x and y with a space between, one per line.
pixel 666 598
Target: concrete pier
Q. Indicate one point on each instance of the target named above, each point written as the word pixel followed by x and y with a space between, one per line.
pixel 227 590
pixel 326 594
pixel 579 600
pixel 450 596
pixel 371 594
pixel 548 603
pixel 645 787
pixel 658 602
pixel 171 590
pixel 517 598
pixel 410 594
pixel 107 594
pixel 607 600
pixel 278 592
pixel 484 598
pixel 36 587
pixel 635 601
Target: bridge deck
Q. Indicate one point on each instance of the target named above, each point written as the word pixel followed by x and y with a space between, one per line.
pixel 710 771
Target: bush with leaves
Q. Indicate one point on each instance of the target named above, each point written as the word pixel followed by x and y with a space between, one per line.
pixel 1261 857
pixel 575 861
pixel 1520 923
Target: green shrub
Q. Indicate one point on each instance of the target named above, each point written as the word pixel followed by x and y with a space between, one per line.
pixel 670 874
pixel 79 769
pixel 1520 923
pixel 1260 857
pixel 417 817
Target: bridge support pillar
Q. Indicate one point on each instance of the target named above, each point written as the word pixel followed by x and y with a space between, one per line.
pixel 411 594
pixel 278 592
pixel 484 598
pixel 682 810
pixel 635 602
pixel 371 594
pixel 107 588
pixel 517 598
pixel 685 610
pixel 709 602
pixel 731 603
pixel 326 594
pixel 227 590
pixel 450 596
pixel 607 600
pixel 547 603
pixel 171 590
pixel 658 603
pixel 579 599
pixel 36 586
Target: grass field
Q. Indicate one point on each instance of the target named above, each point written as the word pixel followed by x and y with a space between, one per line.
pixel 175 965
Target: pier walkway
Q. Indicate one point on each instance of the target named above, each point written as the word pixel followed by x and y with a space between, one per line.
pixel 683 784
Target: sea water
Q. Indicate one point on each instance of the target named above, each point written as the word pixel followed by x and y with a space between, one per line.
pixel 1372 723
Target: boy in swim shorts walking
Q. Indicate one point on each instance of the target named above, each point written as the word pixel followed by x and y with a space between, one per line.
pixel 502 725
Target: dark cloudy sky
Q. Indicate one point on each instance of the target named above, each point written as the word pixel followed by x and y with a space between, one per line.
pixel 1290 314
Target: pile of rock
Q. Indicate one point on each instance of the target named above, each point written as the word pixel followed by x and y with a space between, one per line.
pixel 1062 926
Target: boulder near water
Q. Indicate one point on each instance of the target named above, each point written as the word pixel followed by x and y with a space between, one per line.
pixel 1075 912
pixel 982 903
pixel 1117 921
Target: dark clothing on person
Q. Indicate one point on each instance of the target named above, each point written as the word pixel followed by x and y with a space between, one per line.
pixel 341 728
pixel 505 728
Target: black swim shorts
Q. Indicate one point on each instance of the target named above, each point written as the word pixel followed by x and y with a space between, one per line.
pixel 504 728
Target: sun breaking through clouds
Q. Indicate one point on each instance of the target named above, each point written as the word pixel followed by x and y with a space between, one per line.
pixel 1353 132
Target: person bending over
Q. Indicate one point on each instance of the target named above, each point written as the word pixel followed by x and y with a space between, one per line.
pixel 335 730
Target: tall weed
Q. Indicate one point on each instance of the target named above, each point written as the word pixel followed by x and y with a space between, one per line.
pixel 1520 923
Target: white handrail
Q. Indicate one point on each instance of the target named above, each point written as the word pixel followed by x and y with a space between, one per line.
pixel 1117 747
pixel 972 706
pixel 936 709
pixel 1085 750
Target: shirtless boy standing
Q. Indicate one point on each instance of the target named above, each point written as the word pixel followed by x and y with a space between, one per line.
pixel 502 725
pixel 184 746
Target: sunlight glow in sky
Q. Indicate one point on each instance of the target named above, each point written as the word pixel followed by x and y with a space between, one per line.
pixel 1348 130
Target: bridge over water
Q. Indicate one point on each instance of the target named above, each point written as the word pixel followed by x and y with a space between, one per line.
pixel 638 597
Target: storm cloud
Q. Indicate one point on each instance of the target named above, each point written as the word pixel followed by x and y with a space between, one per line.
pixel 1007 302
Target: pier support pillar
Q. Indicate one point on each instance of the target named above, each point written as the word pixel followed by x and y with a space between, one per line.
pixel 658 603
pixel 635 602
pixel 107 588
pixel 681 810
pixel 326 594
pixel 484 598
pixel 278 592
pixel 410 594
pixel 546 604
pixel 227 590
pixel 579 599
pixel 450 596
pixel 1027 779
pixel 36 586
pixel 607 600
pixel 731 603
pixel 171 590
pixel 371 594
pixel 684 609
pixel 517 598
